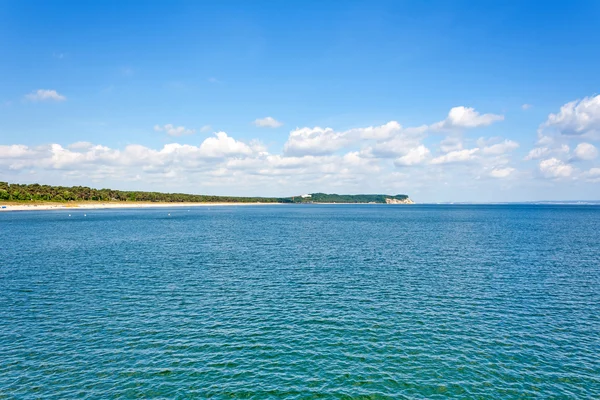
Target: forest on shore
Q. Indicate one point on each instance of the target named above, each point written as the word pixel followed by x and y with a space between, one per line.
pixel 350 198
pixel 47 193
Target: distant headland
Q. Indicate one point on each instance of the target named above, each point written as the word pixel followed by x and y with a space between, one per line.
pixel 322 198
pixel 44 194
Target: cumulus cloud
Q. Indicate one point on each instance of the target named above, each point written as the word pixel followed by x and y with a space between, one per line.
pixel 314 141
pixel 500 148
pixel 15 151
pixel 451 144
pixel 174 131
pixel 501 172
pixel 218 161
pixel 397 146
pixel 579 117
pixel 321 141
pixel 267 122
pixel 45 95
pixel 386 157
pixel 541 152
pixel 466 117
pixel 414 156
pixel 545 140
pixel 592 175
pixel 64 158
pixel 537 153
pixel 555 168
pixel 390 140
pixel 222 145
pixel 585 151
pixel 80 145
pixel 376 132
pixel 311 169
pixel 457 156
pixel 82 155
pixel 206 128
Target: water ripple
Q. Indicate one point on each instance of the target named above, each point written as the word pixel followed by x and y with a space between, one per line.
pixel 301 302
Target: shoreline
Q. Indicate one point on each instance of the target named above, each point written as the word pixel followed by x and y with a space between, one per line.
pixel 111 205
pixel 101 206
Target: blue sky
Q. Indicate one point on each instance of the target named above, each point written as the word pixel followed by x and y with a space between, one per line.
pixel 133 95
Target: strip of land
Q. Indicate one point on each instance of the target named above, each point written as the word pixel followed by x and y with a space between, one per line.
pixel 98 205
pixel 18 197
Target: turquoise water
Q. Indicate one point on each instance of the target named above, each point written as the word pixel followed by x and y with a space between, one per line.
pixel 301 302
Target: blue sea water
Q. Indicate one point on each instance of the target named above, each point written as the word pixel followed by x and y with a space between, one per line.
pixel 299 302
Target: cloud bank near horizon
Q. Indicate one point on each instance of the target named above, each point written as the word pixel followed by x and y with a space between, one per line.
pixel 382 158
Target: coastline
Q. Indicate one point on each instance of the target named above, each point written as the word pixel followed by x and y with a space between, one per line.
pixel 108 205
pixel 12 206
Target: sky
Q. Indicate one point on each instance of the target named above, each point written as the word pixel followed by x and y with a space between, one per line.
pixel 441 100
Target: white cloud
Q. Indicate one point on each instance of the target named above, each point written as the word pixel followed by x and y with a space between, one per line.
pixel 314 141
pixel 317 159
pixel 451 144
pixel 222 164
pixel 537 153
pixel 585 151
pixel 274 164
pixel 501 172
pixel 80 145
pixel 526 106
pixel 222 145
pixel 64 158
pixel 45 95
pixel 258 147
pixel 397 146
pixel 15 151
pixel 457 156
pixel 414 156
pixel 500 148
pixel 579 117
pixel 175 131
pixel 376 132
pixel 389 140
pixel 352 162
pixel 555 168
pixel 545 140
pixel 592 175
pixel 541 152
pixel 83 155
pixel 322 141
pixel 267 122
pixel 206 128
pixel 466 117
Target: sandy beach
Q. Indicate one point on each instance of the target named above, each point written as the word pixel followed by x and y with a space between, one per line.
pixel 97 206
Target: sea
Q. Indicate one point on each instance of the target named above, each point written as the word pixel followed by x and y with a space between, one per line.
pixel 301 302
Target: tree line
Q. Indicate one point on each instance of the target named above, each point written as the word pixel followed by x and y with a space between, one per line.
pixel 347 198
pixel 36 192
